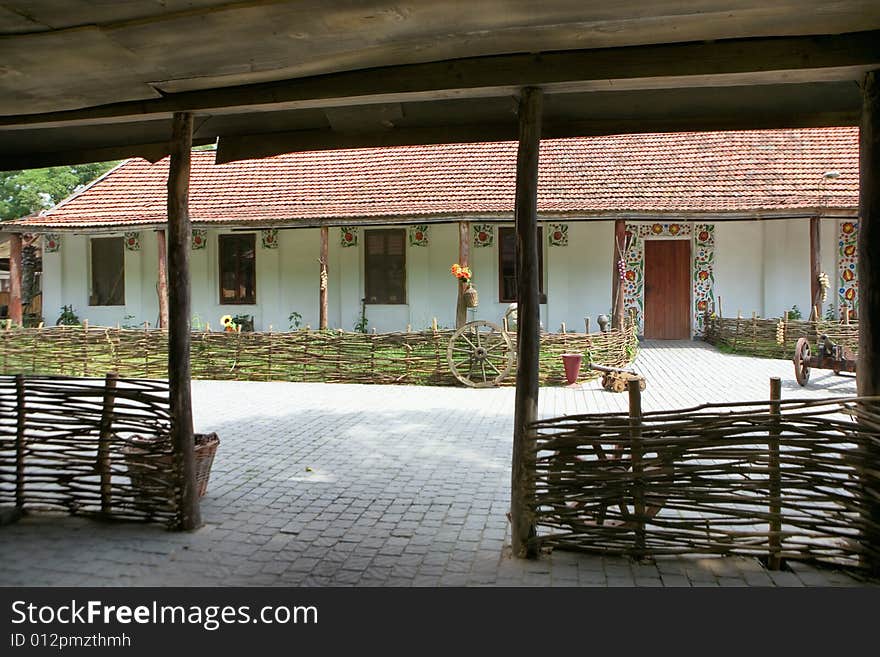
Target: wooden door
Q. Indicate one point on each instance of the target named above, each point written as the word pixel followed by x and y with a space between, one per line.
pixel 667 289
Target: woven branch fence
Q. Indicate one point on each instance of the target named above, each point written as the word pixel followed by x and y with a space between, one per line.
pixel 97 447
pixel 318 356
pixel 801 483
pixel 756 336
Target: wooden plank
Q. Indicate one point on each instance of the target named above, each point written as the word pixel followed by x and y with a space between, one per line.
pixel 180 311
pixel 528 322
pixel 638 468
pixel 20 439
pixel 815 265
pixel 322 278
pixel 15 310
pixel 464 256
pixel 617 254
pixel 162 279
pixel 868 373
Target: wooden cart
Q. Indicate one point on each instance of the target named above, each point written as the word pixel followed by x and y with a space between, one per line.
pixel 828 356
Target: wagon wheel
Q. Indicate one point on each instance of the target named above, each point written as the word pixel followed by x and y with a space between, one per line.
pixel 480 354
pixel 801 361
pixel 596 505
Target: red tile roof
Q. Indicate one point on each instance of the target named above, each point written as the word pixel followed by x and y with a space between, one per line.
pixel 724 172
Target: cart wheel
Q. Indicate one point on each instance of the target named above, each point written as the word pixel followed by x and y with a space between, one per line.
pixel 594 505
pixel 801 361
pixel 480 354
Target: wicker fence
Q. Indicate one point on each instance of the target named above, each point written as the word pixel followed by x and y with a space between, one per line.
pixel 98 447
pixel 775 338
pixel 716 479
pixel 321 356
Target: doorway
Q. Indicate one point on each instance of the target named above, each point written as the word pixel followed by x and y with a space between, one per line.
pixel 667 289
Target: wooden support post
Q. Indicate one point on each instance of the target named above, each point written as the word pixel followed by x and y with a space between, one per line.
pixel 528 323
pixel 179 312
pixel 162 280
pixel 815 265
pixel 464 254
pixel 15 309
pixel 868 377
pixel 774 560
pixel 20 440
pixel 104 438
pixel 638 486
pixel 616 284
pixel 322 278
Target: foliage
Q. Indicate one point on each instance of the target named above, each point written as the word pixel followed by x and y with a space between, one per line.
pixel 246 322
pixel 196 324
pixel 795 313
pixel 829 313
pixel 361 325
pixel 294 320
pixel 68 317
pixel 128 322
pixel 24 192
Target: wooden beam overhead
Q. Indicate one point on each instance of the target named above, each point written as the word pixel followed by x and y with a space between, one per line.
pixel 737 62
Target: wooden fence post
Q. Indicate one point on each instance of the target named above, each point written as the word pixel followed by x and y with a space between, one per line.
pixel 774 560
pixel 638 485
pixel 105 436
pixel 20 439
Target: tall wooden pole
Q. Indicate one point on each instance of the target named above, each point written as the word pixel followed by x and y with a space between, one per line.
pixel 869 289
pixel 528 322
pixel 179 312
pixel 464 255
pixel 616 287
pixel 162 280
pixel 322 277
pixel 15 311
pixel 815 265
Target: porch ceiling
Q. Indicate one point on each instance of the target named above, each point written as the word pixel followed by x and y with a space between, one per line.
pixel 83 81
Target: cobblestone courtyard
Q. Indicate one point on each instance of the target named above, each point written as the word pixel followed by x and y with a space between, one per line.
pixel 320 484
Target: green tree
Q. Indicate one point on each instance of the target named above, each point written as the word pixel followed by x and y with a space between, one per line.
pixel 31 190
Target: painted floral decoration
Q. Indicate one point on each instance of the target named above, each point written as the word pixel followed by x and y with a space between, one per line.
pixel 484 235
pixel 418 235
pixel 199 239
pixel 51 243
pixel 348 236
pixel 133 241
pixel 557 235
pixel 269 238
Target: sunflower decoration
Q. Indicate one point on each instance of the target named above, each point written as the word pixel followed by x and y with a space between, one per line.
pixel 229 324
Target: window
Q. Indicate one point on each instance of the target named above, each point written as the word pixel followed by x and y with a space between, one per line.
pixel 107 272
pixel 385 266
pixel 507 265
pixel 238 271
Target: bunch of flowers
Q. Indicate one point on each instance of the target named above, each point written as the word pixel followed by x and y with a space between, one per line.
pixel 229 324
pixel 461 273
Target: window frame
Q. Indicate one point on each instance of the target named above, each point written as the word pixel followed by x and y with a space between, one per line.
pixel 224 237
pixel 92 302
pixel 367 268
pixel 542 293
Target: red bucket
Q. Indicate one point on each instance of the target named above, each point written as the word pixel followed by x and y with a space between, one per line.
pixel 572 365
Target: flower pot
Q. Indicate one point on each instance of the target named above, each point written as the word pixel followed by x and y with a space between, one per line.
pixel 572 365
pixel 471 299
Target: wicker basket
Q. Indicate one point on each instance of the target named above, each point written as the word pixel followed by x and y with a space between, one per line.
pixel 471 299
pixel 146 471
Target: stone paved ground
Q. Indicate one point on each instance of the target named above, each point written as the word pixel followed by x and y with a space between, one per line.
pixel 385 485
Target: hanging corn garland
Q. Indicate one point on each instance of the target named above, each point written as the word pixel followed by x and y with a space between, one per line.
pixel 780 331
pixel 825 283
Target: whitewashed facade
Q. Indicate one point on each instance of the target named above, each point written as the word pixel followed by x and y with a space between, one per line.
pixel 754 266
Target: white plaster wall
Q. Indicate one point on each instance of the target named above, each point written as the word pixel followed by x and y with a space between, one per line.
pixel 739 267
pixel 759 266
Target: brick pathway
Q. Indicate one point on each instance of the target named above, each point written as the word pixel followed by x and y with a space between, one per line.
pixel 385 485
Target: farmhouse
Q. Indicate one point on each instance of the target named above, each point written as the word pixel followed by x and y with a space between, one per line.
pixel 750 220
